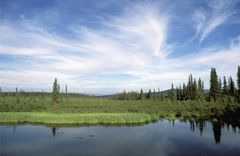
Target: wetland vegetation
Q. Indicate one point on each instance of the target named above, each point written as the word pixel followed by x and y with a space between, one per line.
pixel 189 100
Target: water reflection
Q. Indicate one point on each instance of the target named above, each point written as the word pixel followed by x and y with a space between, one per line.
pixel 54 131
pixel 217 127
pixel 193 124
pixel 185 137
pixel 217 131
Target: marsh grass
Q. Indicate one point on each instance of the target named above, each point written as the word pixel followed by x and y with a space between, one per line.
pixel 75 118
pixel 78 110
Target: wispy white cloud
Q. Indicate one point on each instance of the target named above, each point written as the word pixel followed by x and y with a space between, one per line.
pixel 126 42
pixel 129 51
pixel 209 20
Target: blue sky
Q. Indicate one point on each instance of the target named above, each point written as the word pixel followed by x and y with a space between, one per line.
pixel 103 47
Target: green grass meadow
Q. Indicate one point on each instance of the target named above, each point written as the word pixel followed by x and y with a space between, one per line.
pixel 79 110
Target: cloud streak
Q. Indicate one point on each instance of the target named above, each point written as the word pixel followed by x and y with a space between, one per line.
pixel 208 21
pixel 130 50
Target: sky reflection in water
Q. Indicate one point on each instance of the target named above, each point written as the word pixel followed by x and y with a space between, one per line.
pixel 160 138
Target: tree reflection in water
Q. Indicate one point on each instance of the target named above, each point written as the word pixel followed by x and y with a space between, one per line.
pixel 194 124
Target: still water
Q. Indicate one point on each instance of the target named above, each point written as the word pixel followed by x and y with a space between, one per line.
pixel 154 139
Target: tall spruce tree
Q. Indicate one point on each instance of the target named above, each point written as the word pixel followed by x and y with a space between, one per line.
pixel 142 96
pixel 171 94
pixel 58 93
pixel 238 83
pixel 194 90
pixel 177 93
pixel 191 88
pixel 220 85
pixel 200 90
pixel 214 87
pixel 55 92
pixel 180 92
pixel 154 94
pixel 184 92
pixel 225 87
pixel 231 86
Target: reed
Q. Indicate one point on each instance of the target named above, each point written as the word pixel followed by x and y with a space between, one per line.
pixel 75 118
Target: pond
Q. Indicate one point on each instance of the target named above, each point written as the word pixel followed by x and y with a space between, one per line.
pixel 160 138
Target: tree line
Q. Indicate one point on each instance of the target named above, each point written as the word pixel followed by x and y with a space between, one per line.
pixel 220 89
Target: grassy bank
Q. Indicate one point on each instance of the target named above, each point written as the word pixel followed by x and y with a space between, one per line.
pixel 75 118
pixel 75 110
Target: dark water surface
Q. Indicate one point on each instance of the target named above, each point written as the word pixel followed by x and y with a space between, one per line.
pixel 154 139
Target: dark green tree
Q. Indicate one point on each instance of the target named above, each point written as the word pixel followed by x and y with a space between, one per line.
pixel 150 96
pixel 200 90
pixel 142 96
pixel 191 88
pixel 184 92
pixel 214 87
pixel 154 94
pixel 177 93
pixel 231 86
pixel 238 83
pixel 225 87
pixel 55 92
pixel 220 85
pixel 171 94
pixel 58 94
pixel 194 90
pixel 180 92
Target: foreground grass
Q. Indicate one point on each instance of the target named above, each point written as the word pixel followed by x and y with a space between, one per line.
pixel 75 118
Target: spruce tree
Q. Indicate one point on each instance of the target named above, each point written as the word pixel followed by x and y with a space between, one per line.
pixel 200 90
pixel 231 86
pixel 154 94
pixel 194 90
pixel 171 94
pixel 150 94
pixel 55 92
pixel 184 92
pixel 178 93
pixel 142 97
pixel 238 83
pixel 225 88
pixel 202 86
pixel 58 93
pixel 220 85
pixel 214 87
pixel 189 87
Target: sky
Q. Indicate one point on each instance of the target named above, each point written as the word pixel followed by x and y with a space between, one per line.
pixel 104 47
